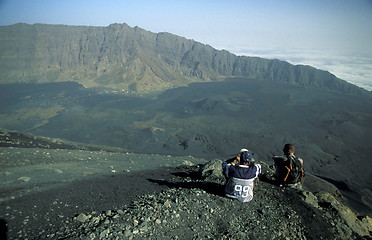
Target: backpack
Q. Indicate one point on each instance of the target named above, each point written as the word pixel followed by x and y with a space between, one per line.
pixel 296 172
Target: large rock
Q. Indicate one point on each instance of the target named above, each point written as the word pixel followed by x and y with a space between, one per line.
pixel 362 225
pixel 212 170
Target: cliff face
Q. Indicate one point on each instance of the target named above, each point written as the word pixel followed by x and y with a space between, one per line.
pixel 122 57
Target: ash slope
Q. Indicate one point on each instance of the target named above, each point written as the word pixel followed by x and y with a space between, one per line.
pixel 80 194
pixel 42 189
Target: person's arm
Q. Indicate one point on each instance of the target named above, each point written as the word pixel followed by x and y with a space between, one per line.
pixel 231 160
pixel 302 161
pixel 228 161
pixel 226 164
pixel 258 170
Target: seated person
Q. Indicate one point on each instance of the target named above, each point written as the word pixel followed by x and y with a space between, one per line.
pixel 289 168
pixel 240 176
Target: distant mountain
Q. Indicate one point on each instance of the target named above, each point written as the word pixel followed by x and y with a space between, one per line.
pixel 132 59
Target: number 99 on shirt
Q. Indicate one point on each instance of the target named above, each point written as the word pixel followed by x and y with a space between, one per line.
pixel 243 191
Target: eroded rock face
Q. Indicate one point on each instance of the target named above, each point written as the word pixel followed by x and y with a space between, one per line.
pixel 132 59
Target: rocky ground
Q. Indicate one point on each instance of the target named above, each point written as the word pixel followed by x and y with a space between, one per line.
pixel 73 193
pixel 195 208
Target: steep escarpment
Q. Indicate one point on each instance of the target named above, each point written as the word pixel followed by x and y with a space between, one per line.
pixel 122 57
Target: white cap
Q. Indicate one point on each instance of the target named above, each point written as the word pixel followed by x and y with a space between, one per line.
pixel 243 150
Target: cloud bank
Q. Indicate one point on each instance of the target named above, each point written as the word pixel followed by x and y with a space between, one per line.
pixel 353 67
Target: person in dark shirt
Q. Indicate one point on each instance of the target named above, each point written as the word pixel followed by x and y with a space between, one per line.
pixel 289 168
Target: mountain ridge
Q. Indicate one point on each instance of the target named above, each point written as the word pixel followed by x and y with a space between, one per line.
pixel 133 59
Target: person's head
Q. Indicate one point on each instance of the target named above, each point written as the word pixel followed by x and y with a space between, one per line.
pixel 246 157
pixel 288 149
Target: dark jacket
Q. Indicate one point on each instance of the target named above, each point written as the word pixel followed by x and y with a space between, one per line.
pixel 289 169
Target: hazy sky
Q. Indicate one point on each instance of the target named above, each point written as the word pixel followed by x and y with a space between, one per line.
pixel 333 35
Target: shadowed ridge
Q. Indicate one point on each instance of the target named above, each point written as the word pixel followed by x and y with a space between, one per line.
pixel 27 140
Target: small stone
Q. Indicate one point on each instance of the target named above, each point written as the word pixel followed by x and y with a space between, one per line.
pixel 82 217
pixel 127 233
pixel 167 204
pixel 188 163
pixel 143 226
pixel 109 213
pixel 95 219
pixel 121 212
pixel 92 236
pixel 135 223
pixel 25 179
pixel 158 221
pixel 104 233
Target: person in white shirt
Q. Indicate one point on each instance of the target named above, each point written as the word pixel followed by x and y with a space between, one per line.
pixel 240 177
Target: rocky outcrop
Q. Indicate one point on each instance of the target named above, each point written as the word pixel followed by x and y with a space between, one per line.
pixel 195 208
pixel 349 221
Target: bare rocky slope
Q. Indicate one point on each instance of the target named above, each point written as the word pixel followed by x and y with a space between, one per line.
pixel 70 192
